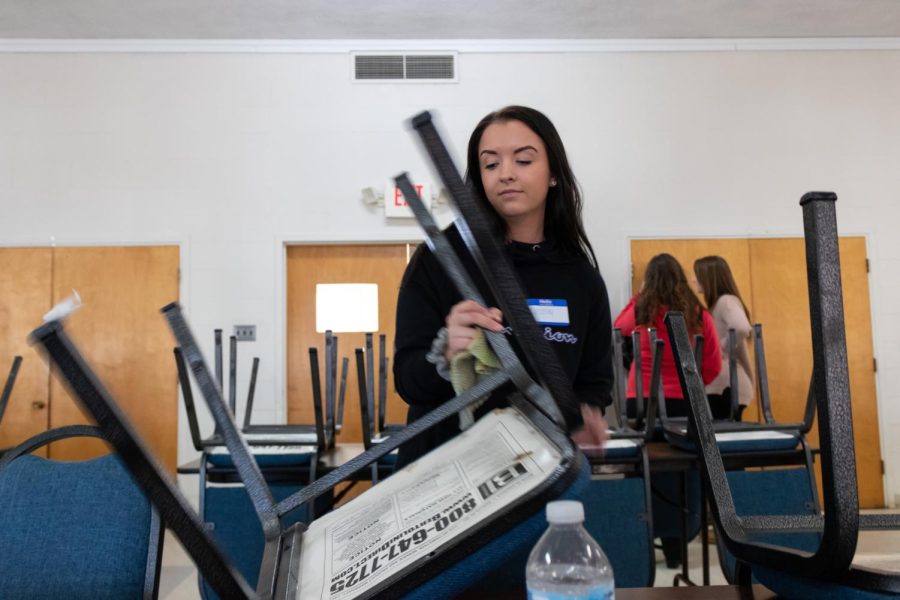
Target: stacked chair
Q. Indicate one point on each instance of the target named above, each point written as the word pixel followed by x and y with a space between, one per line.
pixel 762 541
pixel 437 550
pixel 677 504
pixel 785 490
pixel 617 505
pixel 287 455
pixel 366 379
pixel 680 507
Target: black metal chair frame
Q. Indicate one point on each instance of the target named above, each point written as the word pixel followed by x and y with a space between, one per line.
pixel 266 437
pixel 369 437
pixel 841 522
pixel 10 383
pixel 681 426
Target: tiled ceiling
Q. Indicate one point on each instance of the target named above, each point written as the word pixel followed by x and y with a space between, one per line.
pixel 446 19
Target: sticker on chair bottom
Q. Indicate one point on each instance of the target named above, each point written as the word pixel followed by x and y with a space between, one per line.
pixel 352 551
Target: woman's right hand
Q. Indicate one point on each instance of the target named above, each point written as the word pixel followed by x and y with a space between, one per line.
pixel 462 323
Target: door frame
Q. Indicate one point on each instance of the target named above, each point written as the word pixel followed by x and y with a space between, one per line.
pixel 282 243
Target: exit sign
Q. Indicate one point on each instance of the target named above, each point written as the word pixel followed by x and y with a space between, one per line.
pixel 395 204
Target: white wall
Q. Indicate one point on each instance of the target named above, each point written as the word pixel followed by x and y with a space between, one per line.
pixel 232 155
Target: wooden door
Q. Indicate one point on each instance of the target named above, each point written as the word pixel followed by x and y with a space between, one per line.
pixel 381 264
pixel 782 305
pixel 771 274
pixel 124 338
pixel 25 280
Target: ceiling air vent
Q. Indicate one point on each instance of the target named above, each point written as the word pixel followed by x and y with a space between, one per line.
pixel 397 67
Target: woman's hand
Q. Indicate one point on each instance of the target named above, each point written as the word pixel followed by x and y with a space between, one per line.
pixel 462 322
pixel 594 432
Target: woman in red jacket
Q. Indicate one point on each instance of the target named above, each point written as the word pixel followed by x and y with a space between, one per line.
pixel 666 288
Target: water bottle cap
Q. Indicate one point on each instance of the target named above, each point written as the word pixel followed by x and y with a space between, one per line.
pixel 565 511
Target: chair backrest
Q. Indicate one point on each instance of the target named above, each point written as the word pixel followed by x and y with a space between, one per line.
pixel 75 529
pixel 620 377
pixel 367 426
pixel 251 393
pixel 187 393
pixel 830 564
pixel 342 394
pixel 651 408
pixel 382 380
pixel 324 435
pixel 762 377
pixel 733 382
pixel 8 386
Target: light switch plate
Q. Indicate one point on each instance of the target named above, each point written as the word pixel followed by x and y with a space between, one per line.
pixel 245 333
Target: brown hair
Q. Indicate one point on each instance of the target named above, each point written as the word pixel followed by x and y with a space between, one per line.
pixel 562 213
pixel 666 285
pixel 714 276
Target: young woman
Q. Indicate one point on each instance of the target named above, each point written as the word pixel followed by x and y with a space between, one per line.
pixel 666 288
pixel 729 312
pixel 517 167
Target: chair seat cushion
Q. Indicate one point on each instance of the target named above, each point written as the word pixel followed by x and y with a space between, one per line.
pixel 621 449
pixel 752 440
pixel 781 491
pixel 266 456
pixel 230 516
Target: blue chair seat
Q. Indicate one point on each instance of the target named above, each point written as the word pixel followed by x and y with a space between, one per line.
pixel 617 449
pixel 69 530
pixel 752 440
pixel 266 456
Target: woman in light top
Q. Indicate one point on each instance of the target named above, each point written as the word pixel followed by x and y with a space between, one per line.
pixel 729 312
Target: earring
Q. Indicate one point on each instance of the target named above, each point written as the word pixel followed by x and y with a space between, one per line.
pixel 553 182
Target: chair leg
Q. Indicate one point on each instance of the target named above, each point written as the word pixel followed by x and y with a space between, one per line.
pixel 742 574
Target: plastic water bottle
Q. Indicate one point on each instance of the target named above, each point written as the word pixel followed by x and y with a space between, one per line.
pixel 566 563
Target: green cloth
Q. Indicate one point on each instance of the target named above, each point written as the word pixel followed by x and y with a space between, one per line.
pixel 469 367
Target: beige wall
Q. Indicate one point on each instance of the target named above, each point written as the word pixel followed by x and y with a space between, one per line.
pixel 232 155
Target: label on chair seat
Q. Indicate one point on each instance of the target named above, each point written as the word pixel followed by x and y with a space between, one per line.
pixel 752 436
pixel 424 506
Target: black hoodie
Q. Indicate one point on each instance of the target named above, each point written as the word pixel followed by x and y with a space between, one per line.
pixel 427 295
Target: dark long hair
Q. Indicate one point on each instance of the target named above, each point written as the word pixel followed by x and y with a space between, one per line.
pixel 714 276
pixel 666 285
pixel 562 213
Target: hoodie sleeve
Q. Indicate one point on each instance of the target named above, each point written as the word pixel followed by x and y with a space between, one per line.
pixel 421 312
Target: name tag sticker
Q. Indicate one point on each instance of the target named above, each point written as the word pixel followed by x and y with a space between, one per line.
pixel 549 312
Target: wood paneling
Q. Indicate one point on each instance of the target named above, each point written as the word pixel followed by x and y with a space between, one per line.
pixel 309 265
pixel 124 338
pixel 782 301
pixel 771 273
pixel 735 251
pixel 25 280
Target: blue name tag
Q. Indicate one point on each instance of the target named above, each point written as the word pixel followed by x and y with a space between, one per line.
pixel 549 312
